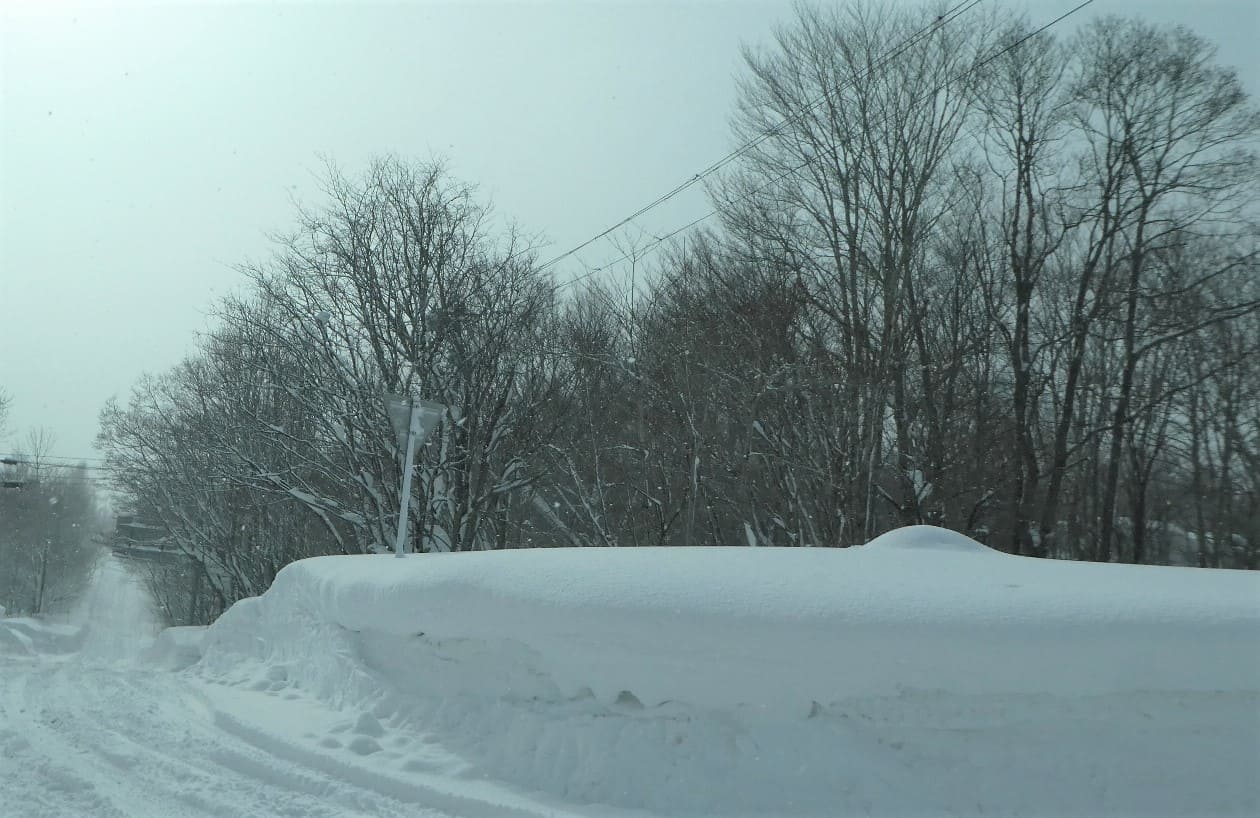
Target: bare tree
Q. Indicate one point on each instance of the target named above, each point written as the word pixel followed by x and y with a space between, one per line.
pixel 6 402
pixel 851 170
pixel 1024 106
pixel 416 295
pixel 1171 135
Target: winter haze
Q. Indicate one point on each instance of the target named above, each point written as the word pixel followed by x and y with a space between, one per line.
pixel 148 148
pixel 596 410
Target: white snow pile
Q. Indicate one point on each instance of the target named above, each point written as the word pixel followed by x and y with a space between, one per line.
pixel 922 673
pixel 928 538
pixel 29 636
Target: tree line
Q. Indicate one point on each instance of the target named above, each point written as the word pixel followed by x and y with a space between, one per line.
pixel 50 526
pixel 997 280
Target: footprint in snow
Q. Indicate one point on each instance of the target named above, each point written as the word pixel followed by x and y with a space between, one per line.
pixel 367 725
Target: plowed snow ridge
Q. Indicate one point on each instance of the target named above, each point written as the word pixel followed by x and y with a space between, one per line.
pixel 779 682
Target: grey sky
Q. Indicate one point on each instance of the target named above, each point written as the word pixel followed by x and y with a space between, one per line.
pixel 145 149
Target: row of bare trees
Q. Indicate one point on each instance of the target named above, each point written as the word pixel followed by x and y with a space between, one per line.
pixel 1009 238
pixel 992 280
pixel 273 442
pixel 992 283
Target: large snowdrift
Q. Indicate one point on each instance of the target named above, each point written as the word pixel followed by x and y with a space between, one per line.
pixel 782 628
pixel 725 680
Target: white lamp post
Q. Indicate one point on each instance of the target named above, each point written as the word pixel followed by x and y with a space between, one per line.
pixel 413 421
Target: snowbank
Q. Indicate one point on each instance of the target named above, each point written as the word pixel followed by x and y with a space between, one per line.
pixel 782 628
pixel 23 636
pixel 724 679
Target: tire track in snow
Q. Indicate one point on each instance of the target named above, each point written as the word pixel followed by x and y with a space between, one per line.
pixel 158 753
pixel 54 774
pixel 417 788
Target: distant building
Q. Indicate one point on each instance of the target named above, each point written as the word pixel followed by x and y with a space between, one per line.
pixel 134 537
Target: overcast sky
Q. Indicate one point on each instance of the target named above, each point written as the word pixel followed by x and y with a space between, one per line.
pixel 146 149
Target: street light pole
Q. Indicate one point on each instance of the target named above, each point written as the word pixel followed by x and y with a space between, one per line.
pixel 413 421
pixel 420 417
pixel 400 540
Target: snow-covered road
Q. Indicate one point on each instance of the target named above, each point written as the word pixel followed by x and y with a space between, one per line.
pixel 93 732
pixel 87 728
pixel 78 739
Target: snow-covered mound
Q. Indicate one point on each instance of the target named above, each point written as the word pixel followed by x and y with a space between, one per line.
pixel 781 628
pixel 929 538
pixel 29 636
pixel 14 641
pixel 712 679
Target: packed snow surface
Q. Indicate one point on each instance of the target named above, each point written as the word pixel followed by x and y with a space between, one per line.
pixel 921 674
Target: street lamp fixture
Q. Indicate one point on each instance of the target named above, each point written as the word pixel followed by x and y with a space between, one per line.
pixel 413 421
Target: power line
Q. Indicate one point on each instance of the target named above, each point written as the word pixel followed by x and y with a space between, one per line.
pixel 921 34
pixel 237 481
pixel 53 457
pixel 49 462
pixel 651 246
